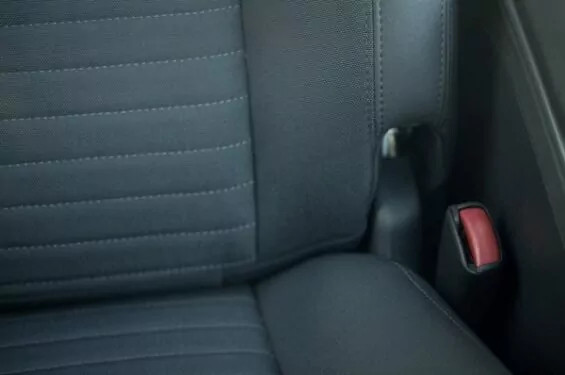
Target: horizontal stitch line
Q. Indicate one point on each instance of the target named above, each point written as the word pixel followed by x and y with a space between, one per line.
pixel 147 356
pixel 161 305
pixel 132 238
pixel 172 270
pixel 126 156
pixel 130 198
pixel 133 333
pixel 126 65
pixel 126 275
pixel 126 111
pixel 123 18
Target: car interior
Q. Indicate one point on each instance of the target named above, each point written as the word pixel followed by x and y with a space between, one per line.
pixel 272 187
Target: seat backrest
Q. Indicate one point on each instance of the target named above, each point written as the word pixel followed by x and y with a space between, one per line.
pixel 177 143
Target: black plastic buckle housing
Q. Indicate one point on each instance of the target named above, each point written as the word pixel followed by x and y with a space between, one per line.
pixel 470 290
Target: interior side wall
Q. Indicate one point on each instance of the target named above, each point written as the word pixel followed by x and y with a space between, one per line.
pixel 501 163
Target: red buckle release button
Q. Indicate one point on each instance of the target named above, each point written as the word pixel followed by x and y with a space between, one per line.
pixel 481 239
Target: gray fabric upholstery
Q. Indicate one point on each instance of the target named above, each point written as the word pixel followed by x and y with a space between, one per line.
pixel 346 314
pixel 216 332
pixel 126 151
pixel 311 83
pixel 134 155
pixel 169 145
pixel 354 314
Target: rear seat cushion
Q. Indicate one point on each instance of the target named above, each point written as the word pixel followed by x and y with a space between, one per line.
pixel 214 332
pixel 354 314
pixel 346 314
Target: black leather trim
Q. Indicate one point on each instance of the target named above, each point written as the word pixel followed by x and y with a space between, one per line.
pixel 356 314
pixel 415 54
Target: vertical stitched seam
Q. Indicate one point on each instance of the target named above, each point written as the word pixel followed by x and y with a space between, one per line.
pixel 381 69
pixel 442 69
pixel 436 304
pixel 370 97
pixel 254 250
pixel 370 71
pixel 263 323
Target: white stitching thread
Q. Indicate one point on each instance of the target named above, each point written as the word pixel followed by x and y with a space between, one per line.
pixel 442 69
pixel 126 111
pixel 369 80
pixel 435 303
pixel 125 275
pixel 132 238
pixel 147 356
pixel 166 304
pixel 381 69
pixel 130 198
pixel 127 65
pixel 126 156
pixel 136 333
pixel 124 18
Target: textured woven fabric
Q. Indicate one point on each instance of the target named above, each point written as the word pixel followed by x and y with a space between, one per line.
pixel 211 333
pixel 125 159
pixel 175 144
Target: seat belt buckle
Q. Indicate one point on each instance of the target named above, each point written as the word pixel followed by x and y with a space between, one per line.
pixel 479 237
pixel 470 260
